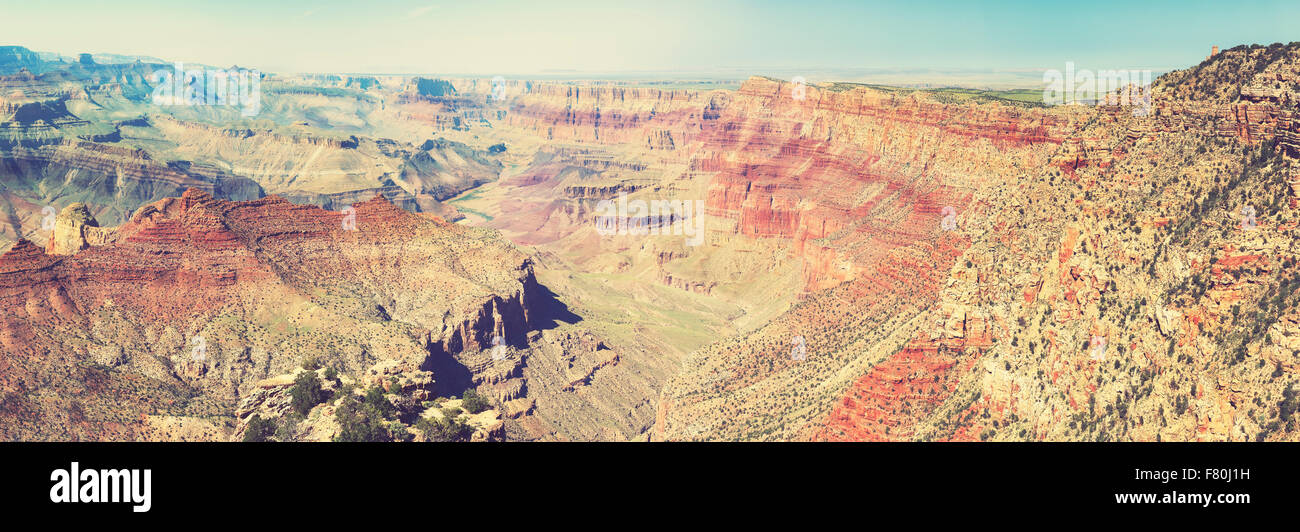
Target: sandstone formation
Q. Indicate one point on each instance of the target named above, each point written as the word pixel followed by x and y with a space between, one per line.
pixel 74 230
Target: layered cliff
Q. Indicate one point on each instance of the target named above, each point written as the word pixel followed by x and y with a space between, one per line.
pixel 110 180
pixel 57 162
pixel 876 194
pixel 1077 300
pixel 196 298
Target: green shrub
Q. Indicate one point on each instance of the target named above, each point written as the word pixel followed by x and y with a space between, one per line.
pixel 444 429
pixel 359 423
pixel 288 428
pixel 397 432
pixel 306 392
pixel 376 402
pixel 258 429
pixel 473 402
pixel 345 390
pixel 1289 404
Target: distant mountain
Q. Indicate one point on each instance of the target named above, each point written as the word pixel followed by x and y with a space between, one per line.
pixel 103 59
pixel 15 58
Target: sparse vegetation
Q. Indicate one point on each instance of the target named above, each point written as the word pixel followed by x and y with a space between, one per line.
pixel 445 429
pixel 368 419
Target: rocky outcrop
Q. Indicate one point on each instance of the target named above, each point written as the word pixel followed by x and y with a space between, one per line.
pixel 192 288
pixel 74 230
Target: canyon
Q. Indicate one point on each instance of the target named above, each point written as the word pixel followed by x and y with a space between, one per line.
pixel 878 263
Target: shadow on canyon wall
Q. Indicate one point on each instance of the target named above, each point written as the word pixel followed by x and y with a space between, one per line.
pixel 453 377
pixel 548 311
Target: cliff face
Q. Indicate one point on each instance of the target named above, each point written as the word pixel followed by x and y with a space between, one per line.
pixel 845 176
pixel 102 343
pixel 1098 266
pixel 299 162
pixel 109 180
pixel 16 58
pixel 661 119
pixel 656 119
pixel 876 195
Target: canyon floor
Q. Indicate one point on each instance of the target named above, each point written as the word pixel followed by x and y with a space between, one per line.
pixel 416 259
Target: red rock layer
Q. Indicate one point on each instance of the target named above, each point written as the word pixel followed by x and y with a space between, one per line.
pixel 845 175
pixel 125 165
pixel 1251 122
pixel 890 401
pixel 857 182
pixel 181 261
pixel 611 114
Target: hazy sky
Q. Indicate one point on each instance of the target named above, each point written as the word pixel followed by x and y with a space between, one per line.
pixel 490 37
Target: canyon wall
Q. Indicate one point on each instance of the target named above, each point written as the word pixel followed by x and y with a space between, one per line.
pixel 857 185
pixel 100 343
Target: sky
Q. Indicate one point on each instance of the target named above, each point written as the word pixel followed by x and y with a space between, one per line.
pixel 504 37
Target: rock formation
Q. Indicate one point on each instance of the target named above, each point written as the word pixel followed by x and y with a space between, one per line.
pixel 200 294
pixel 74 230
